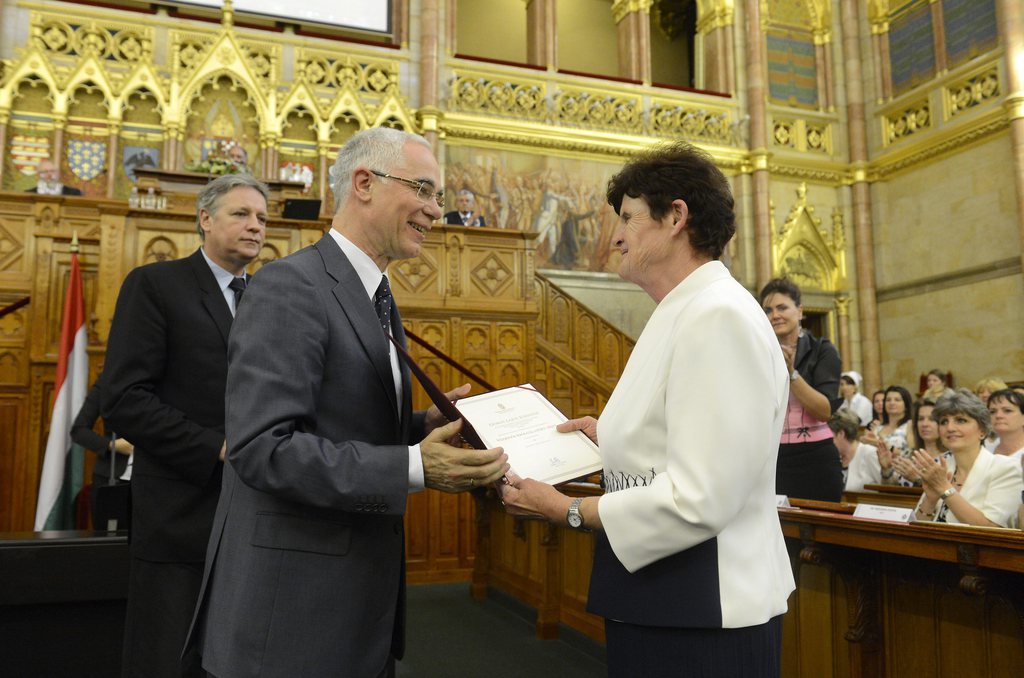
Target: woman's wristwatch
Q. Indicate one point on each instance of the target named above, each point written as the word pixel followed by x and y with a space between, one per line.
pixel 794 375
pixel 947 494
pixel 573 515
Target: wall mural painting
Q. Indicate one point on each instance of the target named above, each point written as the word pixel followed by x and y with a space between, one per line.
pixel 562 199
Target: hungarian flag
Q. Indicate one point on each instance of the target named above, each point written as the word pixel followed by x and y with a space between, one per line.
pixel 63 465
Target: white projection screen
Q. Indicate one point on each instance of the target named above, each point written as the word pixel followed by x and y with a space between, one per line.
pixel 363 15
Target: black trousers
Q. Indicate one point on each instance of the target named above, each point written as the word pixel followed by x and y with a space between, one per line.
pixel 161 600
pixel 658 652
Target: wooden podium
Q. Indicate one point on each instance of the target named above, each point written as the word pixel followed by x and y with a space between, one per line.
pixel 181 187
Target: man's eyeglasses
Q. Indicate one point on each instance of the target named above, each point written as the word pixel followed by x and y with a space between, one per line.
pixel 424 189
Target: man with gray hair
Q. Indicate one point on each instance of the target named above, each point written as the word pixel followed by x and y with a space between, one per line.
pixel 305 570
pixel 465 213
pixel 163 389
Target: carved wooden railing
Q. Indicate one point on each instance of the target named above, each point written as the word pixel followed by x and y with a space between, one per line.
pixel 579 354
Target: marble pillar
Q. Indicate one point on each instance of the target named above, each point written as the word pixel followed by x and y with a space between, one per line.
pixel 634 32
pixel 541 34
pixel 757 95
pixel 863 235
pixel 1010 17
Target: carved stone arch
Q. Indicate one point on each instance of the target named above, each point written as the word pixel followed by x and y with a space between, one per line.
pixel 392 113
pixel 302 96
pixel 195 90
pixel 803 245
pixel 347 103
pixel 342 126
pixel 143 92
pixel 292 130
pixel 807 268
pixel 33 81
pixel 90 72
pixel 90 100
pixel 208 122
pixel 143 77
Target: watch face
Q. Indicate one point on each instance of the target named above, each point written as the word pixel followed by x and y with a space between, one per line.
pixel 575 520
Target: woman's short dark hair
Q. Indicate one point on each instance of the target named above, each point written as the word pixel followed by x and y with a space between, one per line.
pixel 848 380
pixel 679 171
pixel 781 286
pixel 1009 395
pixel 907 402
pixel 962 401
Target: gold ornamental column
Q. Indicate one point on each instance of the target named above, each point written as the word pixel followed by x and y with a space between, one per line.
pixel 322 149
pixel 843 316
pixel 863 236
pixel 3 133
pixel 1011 23
pixel 59 121
pixel 541 38
pixel 113 147
pixel 430 63
pixel 757 94
pixel 633 19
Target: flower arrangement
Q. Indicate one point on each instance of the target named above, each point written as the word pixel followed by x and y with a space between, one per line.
pixel 227 157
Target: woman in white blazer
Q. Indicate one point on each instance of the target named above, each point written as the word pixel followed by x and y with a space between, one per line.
pixel 690 567
pixel 980 488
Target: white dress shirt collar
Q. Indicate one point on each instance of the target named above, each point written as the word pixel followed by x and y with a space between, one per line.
pixel 367 271
pixel 224 278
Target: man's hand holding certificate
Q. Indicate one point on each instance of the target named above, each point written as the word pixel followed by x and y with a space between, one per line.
pixel 522 421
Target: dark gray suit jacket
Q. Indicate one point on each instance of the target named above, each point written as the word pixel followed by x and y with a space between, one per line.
pixel 305 567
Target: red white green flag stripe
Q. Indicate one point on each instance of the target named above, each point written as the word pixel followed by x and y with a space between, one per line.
pixel 63 464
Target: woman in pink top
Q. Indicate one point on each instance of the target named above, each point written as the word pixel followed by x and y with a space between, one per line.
pixel 808 466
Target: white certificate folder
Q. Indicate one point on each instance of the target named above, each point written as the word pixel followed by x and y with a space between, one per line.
pixel 522 421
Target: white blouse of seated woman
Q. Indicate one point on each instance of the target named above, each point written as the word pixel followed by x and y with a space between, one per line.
pixel 971 485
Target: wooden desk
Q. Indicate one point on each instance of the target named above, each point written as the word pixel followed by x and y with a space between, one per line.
pixel 62 602
pixel 873 598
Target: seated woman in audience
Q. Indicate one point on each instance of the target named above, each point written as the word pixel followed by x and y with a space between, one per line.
pixel 936 385
pixel 860 462
pixel 987 386
pixel 892 434
pixel 981 488
pixel 1007 409
pixel 877 413
pixel 853 399
pixel 922 434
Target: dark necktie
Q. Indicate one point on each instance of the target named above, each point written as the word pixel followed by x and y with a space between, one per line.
pixel 382 302
pixel 465 217
pixel 238 286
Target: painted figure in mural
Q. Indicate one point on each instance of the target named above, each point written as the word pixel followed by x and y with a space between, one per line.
pixel 49 181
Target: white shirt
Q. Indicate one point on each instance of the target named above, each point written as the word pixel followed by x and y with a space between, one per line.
pixel 864 468
pixel 224 279
pixel 370 275
pixel 861 406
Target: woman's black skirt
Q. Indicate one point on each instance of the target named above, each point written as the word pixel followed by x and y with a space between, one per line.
pixel 810 471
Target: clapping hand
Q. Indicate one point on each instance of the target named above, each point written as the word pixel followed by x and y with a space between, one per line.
pixel 934 476
pixel 884 455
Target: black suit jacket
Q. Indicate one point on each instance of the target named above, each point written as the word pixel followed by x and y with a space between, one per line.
pixel 163 389
pixel 65 190
pixel 453 217
pixel 305 572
